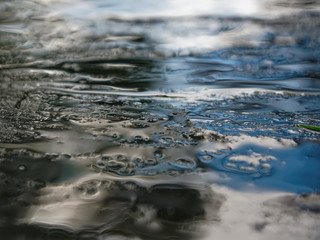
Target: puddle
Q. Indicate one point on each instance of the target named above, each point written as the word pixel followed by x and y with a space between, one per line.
pixel 125 120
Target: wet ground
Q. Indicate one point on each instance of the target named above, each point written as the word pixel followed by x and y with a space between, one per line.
pixel 159 120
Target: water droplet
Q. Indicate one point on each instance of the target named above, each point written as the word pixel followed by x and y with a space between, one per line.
pixel 184 163
pixel 22 168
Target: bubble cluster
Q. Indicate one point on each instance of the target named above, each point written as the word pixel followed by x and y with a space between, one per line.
pixel 253 164
pixel 92 189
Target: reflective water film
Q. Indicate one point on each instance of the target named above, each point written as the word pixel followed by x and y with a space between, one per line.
pixel 159 119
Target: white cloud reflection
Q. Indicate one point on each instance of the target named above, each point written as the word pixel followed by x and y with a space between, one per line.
pixel 166 8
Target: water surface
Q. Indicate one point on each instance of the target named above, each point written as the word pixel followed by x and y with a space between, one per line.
pixel 157 120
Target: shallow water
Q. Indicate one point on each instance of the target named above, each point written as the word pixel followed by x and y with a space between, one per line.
pixel 149 120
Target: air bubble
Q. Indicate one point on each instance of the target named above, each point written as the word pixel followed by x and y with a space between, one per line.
pixel 151 162
pixel 122 158
pixel 128 169
pixel 158 154
pixel 206 158
pixel 89 189
pixel 139 162
pixel 139 124
pixel 184 163
pixel 152 120
pixel 115 165
pixel 100 165
pixel 92 191
pixel 172 172
pixel 139 139
pixel 151 172
pixel 106 157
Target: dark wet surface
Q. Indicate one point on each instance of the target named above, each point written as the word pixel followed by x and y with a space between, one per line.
pixel 126 120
